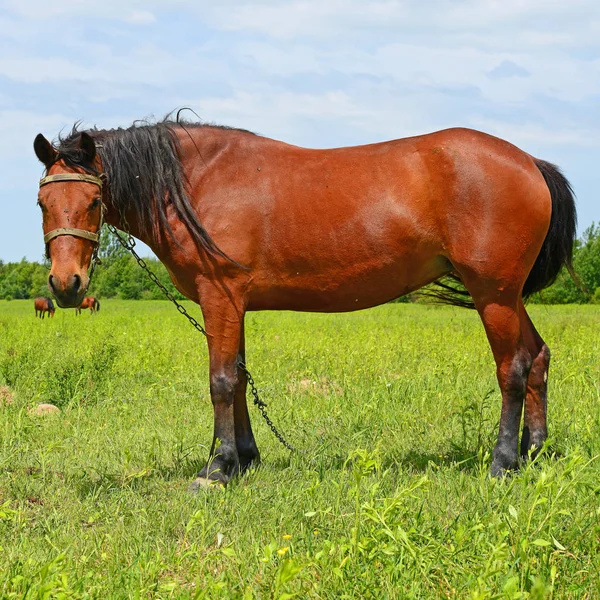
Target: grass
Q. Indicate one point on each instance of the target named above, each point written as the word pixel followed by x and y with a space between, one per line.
pixel 395 413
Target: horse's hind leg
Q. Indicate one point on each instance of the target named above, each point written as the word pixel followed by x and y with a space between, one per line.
pixel 535 429
pixel 499 312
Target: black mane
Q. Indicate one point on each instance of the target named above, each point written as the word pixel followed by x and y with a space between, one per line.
pixel 143 171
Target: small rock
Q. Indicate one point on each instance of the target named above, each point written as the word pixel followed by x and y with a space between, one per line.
pixel 44 409
pixel 6 396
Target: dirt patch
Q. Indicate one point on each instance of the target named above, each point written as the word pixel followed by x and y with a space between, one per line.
pixel 322 386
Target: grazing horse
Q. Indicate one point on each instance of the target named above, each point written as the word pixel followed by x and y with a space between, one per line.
pixel 246 223
pixel 90 302
pixel 43 306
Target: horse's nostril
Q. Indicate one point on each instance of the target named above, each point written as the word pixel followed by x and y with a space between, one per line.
pixel 76 283
pixel 51 282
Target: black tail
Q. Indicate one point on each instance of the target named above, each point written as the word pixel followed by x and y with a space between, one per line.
pixel 556 252
pixel 557 249
pixel 97 303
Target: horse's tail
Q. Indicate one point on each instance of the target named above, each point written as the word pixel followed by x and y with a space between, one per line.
pixel 557 249
pixel 97 304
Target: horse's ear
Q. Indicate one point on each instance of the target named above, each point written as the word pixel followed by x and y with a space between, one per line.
pixel 87 147
pixel 44 150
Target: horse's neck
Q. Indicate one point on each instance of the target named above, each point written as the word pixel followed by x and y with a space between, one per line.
pixel 127 222
pixel 200 148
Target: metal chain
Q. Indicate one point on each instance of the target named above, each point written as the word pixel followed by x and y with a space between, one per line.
pixel 129 244
pixel 263 407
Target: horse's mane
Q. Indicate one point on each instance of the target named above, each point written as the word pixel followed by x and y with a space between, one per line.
pixel 143 170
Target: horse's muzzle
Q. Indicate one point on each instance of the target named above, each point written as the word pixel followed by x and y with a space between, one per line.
pixel 68 292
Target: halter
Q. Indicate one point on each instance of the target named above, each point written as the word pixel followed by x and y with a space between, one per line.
pixel 81 233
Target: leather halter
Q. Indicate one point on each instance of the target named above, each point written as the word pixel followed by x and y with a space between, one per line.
pixel 82 233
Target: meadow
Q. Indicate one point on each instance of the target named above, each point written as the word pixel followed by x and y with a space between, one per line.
pixel 394 412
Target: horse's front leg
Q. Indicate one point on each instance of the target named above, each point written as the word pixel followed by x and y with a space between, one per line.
pixel 244 438
pixel 223 324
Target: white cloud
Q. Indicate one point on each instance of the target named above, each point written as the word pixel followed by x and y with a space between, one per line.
pixel 42 70
pixel 20 127
pixel 286 20
pixel 139 17
pixel 525 135
pixel 436 19
pixel 134 12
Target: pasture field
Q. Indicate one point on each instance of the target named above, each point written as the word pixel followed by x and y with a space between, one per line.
pixel 394 411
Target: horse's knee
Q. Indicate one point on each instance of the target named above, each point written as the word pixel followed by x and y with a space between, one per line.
pixel 222 386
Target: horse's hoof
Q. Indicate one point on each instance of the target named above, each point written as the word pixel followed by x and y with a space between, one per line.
pixel 248 463
pixel 498 472
pixel 205 483
pixel 501 469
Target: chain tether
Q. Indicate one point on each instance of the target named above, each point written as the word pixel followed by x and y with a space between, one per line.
pixel 129 244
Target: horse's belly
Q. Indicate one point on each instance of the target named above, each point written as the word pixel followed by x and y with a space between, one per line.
pixel 353 287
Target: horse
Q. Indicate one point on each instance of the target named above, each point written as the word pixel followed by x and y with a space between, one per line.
pixel 247 223
pixel 42 306
pixel 90 302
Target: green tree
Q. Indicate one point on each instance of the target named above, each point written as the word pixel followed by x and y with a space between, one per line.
pixel 110 248
pixel 119 275
pixel 23 280
pixel 586 264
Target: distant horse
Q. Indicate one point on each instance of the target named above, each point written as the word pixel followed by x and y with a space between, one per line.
pixel 43 306
pixel 90 302
pixel 246 223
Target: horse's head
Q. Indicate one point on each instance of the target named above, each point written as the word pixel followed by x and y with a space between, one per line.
pixel 70 197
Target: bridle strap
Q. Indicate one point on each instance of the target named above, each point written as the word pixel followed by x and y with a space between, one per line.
pixel 86 235
pixel 71 177
pixel 82 233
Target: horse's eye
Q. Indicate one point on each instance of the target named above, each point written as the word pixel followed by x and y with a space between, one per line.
pixel 39 203
pixel 95 203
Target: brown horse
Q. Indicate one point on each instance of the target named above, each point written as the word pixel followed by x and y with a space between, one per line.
pixel 246 223
pixel 90 302
pixel 43 306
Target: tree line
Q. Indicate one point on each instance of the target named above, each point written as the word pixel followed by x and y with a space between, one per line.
pixel 119 276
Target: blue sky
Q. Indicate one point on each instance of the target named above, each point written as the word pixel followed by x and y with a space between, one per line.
pixel 318 73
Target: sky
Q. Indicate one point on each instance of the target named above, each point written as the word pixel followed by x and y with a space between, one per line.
pixel 317 73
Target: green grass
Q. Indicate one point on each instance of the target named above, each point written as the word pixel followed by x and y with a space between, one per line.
pixel 394 411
